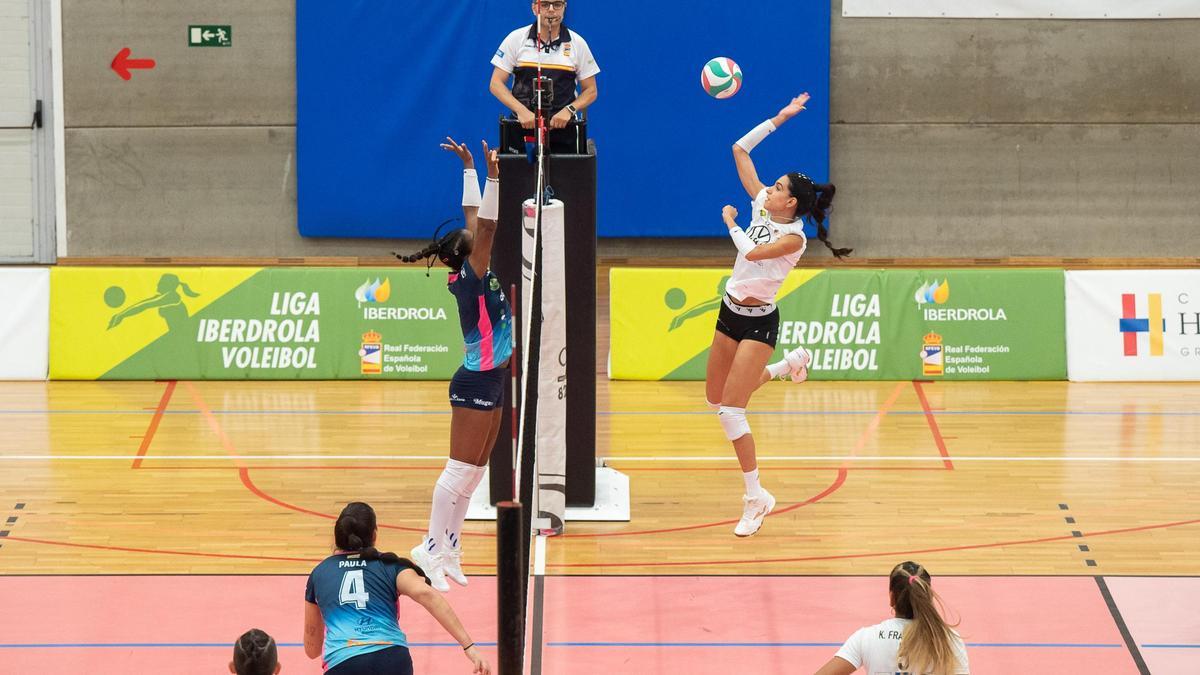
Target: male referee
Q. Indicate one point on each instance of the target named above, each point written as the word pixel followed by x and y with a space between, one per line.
pixel 566 59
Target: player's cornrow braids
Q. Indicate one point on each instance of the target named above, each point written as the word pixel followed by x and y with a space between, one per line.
pixel 255 653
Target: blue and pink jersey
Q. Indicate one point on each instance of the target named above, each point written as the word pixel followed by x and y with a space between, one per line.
pixel 486 318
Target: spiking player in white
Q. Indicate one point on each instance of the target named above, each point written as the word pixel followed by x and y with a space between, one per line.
pixel 748 323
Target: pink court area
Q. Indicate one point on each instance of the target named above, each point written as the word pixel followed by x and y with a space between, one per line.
pixel 1163 617
pixel 712 624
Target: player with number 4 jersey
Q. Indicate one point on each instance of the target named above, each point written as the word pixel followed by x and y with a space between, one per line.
pixel 352 605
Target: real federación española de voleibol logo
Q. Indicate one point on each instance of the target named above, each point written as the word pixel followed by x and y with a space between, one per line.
pixel 371 353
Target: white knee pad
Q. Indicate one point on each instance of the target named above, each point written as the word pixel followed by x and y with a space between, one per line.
pixel 460 478
pixel 712 406
pixel 733 420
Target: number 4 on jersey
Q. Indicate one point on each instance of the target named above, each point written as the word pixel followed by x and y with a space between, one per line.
pixel 354 589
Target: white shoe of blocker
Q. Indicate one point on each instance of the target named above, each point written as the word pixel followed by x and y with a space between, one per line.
pixel 756 508
pixel 452 565
pixel 432 565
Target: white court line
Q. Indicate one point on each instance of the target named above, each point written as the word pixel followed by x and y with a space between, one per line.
pixel 539 556
pixel 668 458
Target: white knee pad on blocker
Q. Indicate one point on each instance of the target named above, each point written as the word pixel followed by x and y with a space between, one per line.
pixel 733 420
pixel 460 478
pixel 712 406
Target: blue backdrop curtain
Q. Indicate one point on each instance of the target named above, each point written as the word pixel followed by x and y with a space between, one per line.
pixel 380 83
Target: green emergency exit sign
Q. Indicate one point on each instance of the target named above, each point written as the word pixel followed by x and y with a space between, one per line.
pixel 210 36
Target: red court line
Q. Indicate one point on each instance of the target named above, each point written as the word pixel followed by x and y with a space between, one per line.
pixel 244 474
pixel 1103 533
pixel 879 554
pixel 933 426
pixel 833 487
pixel 873 426
pixel 127 549
pixel 213 424
pixel 837 484
pixel 158 414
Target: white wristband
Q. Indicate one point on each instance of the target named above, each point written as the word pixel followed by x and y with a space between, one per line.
pixel 470 188
pixel 756 135
pixel 491 200
pixel 741 240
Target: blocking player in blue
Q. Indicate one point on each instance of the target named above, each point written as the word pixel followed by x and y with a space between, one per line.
pixel 351 604
pixel 477 390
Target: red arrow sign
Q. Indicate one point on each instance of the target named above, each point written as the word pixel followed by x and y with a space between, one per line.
pixel 122 63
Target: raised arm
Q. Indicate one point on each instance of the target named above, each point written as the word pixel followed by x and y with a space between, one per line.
pixel 485 231
pixel 741 150
pixel 411 584
pixel 471 198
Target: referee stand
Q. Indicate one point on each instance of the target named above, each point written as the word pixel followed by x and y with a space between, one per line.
pixel 592 492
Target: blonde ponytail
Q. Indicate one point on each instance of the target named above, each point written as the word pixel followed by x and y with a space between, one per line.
pixel 927 645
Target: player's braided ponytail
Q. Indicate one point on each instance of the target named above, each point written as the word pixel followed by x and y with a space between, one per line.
pixel 354 532
pixel 815 201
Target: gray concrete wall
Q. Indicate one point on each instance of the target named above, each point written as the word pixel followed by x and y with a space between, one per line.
pixel 957 138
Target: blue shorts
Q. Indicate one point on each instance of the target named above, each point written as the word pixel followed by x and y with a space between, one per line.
pixel 479 389
pixel 392 660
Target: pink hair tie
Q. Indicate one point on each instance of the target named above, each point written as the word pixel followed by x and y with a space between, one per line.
pixel 911 578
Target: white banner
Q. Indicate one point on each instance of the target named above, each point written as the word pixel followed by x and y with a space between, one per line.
pixel 1025 9
pixel 1133 325
pixel 24 322
pixel 551 433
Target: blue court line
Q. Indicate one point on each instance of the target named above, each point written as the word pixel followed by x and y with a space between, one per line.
pixel 1171 646
pixel 1019 645
pixel 817 413
pixel 184 645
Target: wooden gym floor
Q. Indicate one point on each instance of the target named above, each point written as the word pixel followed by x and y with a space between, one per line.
pixel 1055 517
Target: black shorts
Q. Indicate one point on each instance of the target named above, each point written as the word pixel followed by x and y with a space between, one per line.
pixel 760 324
pixel 387 661
pixel 479 389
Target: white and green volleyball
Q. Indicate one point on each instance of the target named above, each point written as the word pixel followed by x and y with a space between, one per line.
pixel 721 77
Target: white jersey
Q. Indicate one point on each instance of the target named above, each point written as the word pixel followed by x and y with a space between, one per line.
pixel 874 649
pixel 761 279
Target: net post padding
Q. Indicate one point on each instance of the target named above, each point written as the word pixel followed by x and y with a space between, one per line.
pixel 512 574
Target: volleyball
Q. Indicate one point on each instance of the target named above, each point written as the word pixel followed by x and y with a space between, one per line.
pixel 721 77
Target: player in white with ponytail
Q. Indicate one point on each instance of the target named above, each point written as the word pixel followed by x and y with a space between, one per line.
pixel 748 323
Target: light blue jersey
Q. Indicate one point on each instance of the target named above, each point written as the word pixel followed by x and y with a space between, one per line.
pixel 358 604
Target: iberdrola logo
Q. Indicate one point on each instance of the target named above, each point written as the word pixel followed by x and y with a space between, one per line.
pixel 374 292
pixel 933 293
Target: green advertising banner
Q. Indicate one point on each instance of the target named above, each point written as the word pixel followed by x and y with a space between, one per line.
pixel 858 324
pixel 983 324
pixel 251 323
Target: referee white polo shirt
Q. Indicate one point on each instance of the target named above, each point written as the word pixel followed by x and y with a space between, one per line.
pixel 565 60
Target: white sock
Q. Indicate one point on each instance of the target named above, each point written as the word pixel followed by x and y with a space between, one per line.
pixel 447 494
pixel 752 485
pixel 460 510
pixel 439 518
pixel 779 369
